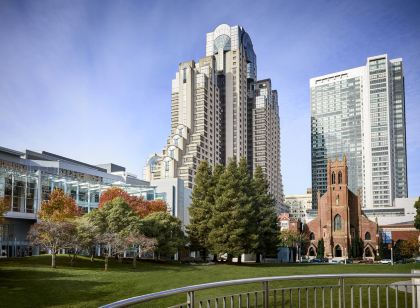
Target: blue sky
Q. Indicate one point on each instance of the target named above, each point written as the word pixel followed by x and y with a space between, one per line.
pixel 91 80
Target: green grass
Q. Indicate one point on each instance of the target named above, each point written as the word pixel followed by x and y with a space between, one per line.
pixel 30 282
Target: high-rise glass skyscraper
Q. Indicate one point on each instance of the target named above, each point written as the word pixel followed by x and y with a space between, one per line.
pixel 360 113
pixel 212 112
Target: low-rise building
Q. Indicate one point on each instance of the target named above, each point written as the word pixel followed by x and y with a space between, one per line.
pixel 27 178
pixel 298 205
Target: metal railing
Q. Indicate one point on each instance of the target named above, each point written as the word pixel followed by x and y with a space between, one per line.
pixel 344 293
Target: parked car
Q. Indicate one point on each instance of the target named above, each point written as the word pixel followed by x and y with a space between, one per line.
pixel 366 261
pixel 316 260
pixel 385 261
pixel 418 260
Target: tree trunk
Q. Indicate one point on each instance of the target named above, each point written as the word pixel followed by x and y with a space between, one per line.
pixel 204 255
pixel 91 257
pixel 257 257
pixel 229 258
pixel 240 259
pixel 106 263
pixel 134 261
pixel 215 258
pixel 53 260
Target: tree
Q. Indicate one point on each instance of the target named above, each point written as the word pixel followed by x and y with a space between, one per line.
pixel 114 220
pixel 86 236
pixel 139 205
pixel 141 242
pixel 145 207
pixel 112 193
pixel 265 216
pixel 58 207
pixel 167 231
pixel 4 207
pixel 201 208
pixel 417 217
pixel 409 248
pixel 52 235
pixel 231 231
pixel 321 249
pixel 356 249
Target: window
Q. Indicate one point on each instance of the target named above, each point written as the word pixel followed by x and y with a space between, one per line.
pixel 312 236
pixel 184 75
pixel 340 177
pixel 337 222
pixel 367 236
pixel 333 178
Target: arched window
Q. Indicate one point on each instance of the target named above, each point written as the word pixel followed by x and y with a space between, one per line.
pixel 337 199
pixel 340 177
pixel 367 236
pixel 312 236
pixel 333 178
pixel 337 222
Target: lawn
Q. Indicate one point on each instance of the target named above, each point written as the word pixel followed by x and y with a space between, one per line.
pixel 29 282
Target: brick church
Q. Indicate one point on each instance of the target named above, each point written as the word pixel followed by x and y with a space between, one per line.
pixel 340 218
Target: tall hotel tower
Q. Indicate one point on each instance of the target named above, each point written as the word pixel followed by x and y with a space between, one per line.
pixel 214 114
pixel 360 113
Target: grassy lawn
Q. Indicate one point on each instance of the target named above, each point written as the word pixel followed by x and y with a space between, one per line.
pixel 29 282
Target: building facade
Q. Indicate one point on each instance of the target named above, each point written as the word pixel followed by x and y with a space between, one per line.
pixel 27 178
pixel 213 110
pixel 299 205
pixel 360 113
pixel 340 218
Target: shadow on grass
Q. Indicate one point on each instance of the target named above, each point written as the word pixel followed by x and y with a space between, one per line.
pixel 36 288
pixel 84 263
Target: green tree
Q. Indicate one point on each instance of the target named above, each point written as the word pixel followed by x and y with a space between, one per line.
pixel 201 208
pixel 167 231
pixel 321 249
pixel 356 249
pixel 417 217
pixel 230 223
pixel 114 220
pixel 265 216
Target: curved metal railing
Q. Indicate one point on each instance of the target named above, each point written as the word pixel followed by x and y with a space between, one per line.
pixel 286 296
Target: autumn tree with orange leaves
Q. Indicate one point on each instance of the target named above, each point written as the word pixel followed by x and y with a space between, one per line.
pixel 59 207
pixel 142 207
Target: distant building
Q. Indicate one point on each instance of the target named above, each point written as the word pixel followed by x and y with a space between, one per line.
pixel 299 205
pixel 340 218
pixel 360 113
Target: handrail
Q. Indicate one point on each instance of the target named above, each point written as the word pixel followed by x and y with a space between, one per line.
pixel 162 294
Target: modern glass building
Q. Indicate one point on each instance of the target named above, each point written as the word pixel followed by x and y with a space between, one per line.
pixel 27 178
pixel 360 113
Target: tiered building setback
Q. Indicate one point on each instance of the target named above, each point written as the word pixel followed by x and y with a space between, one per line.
pixel 218 111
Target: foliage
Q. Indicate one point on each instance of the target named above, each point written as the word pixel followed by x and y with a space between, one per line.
pixel 356 249
pixel 58 207
pixel 201 208
pixel 409 248
pixel 53 236
pixel 138 204
pixel 112 193
pixel 265 215
pixel 417 217
pixel 321 249
pixel 231 230
pixel 141 243
pixel 144 207
pixel 4 207
pixel 114 220
pixel 114 216
pixel 86 236
pixel 167 231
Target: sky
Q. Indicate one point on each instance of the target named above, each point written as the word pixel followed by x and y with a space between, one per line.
pixel 91 80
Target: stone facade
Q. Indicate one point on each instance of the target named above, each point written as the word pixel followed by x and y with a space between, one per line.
pixel 340 218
